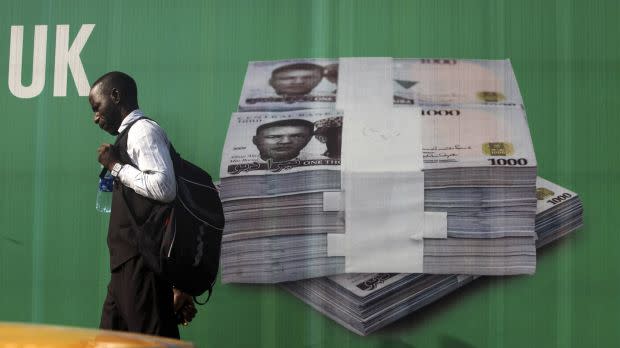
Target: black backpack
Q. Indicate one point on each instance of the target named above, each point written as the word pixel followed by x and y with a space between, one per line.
pixel 181 240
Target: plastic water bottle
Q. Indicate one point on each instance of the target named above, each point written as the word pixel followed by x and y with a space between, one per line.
pixel 104 194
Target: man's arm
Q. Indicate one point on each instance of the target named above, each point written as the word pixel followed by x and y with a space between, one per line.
pixel 152 172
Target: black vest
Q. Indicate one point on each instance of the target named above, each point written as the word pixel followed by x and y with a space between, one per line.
pixel 122 237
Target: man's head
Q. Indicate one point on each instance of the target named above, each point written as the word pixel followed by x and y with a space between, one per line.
pixel 296 79
pixel 112 97
pixel 282 140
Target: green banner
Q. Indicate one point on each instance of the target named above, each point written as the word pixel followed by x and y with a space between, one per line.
pixel 189 59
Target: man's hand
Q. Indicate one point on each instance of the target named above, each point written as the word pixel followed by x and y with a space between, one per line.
pixel 184 307
pixel 107 156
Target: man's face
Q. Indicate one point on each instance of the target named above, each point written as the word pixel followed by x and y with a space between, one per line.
pixel 282 143
pixel 107 113
pixel 295 82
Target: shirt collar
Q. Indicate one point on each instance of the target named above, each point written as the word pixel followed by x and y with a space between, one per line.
pixel 129 119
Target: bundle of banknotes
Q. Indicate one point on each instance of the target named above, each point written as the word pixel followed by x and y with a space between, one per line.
pixel 364 303
pixel 280 169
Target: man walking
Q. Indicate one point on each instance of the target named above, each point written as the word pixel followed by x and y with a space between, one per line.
pixel 137 300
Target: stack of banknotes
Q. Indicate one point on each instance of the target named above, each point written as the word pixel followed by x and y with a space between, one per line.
pixel 280 169
pixel 364 303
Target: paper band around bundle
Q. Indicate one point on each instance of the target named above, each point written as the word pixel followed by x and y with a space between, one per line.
pixel 382 175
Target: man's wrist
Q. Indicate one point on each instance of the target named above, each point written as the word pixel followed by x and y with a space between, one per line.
pixel 115 168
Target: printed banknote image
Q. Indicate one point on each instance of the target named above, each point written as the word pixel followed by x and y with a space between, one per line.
pixel 452 81
pixel 289 85
pixel 312 83
pixel 282 142
pixel 489 140
pixel 479 136
pixel 281 170
pixel 364 303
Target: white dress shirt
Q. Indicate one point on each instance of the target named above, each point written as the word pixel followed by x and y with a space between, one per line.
pixel 148 148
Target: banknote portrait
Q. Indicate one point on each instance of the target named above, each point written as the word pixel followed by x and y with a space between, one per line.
pixel 331 73
pixel 261 143
pixel 329 132
pixel 296 79
pixel 282 140
pixel 290 85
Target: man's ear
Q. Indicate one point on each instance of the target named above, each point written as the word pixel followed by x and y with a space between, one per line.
pixel 115 95
pixel 254 140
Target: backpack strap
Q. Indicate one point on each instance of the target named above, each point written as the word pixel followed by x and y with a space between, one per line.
pixel 210 289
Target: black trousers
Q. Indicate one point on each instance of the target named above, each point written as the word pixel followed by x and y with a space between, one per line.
pixel 139 301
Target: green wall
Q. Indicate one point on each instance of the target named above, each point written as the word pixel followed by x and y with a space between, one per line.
pixel 189 59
